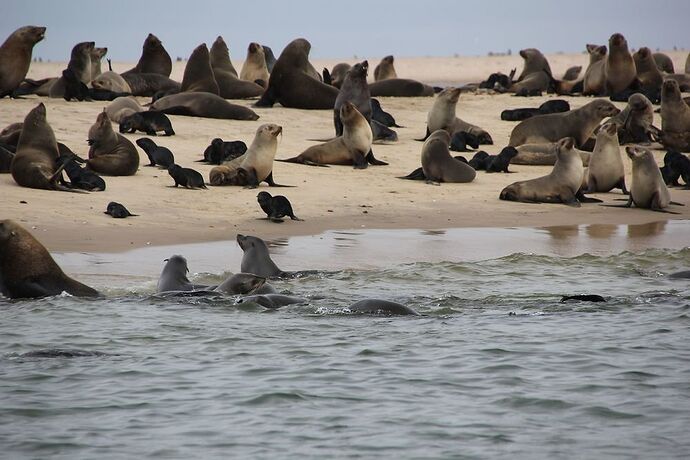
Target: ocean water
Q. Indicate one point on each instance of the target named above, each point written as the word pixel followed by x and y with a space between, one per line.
pixel 497 366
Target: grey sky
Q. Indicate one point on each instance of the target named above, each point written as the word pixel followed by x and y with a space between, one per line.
pixel 342 29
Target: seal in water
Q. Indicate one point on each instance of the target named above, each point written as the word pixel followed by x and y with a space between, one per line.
pixel 256 258
pixel 386 307
pixel 174 276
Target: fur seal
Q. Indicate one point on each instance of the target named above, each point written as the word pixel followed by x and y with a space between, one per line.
pixel 220 151
pixel 337 75
pixel 385 69
pixel 15 57
pixel 437 163
pixel 400 87
pixel 121 108
pixel 198 74
pixel 605 171
pixel 500 162
pixel 352 148
pixel 243 284
pixel 205 105
pixel 154 58
pixel 442 116
pixel 111 81
pixel 355 90
pixel 148 84
pixel 543 155
pixel 687 64
pixel 460 140
pixel 272 301
pixel 96 55
pixel 536 74
pixel 480 161
pixel 186 177
pixel 380 115
pixel 34 163
pixel 147 121
pixel 386 307
pixel 675 118
pixel 634 122
pixel 110 153
pixel 118 211
pixel 572 73
pixel 679 166
pixel 648 190
pixel 578 124
pixel 229 85
pixel 292 85
pixel 562 185
pixel 275 207
pixel 257 161
pixel 270 58
pixel 174 276
pixel 256 259
pixel 663 62
pixel 620 66
pixel 28 270
pixel 158 156
pixel 594 83
pixel 80 64
pixel 648 73
pixel 254 68
pixel 6 157
pixel 552 106
pixel 79 177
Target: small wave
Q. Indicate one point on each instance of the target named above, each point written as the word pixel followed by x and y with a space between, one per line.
pixel 60 353
pixel 276 398
pixel 605 412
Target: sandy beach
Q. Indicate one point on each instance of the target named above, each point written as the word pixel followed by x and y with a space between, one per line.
pixel 335 198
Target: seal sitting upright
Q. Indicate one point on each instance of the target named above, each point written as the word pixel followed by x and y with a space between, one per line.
pixel 15 57
pixel 256 259
pixel 110 153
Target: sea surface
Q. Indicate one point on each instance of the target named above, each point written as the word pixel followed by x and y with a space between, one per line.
pixel 496 367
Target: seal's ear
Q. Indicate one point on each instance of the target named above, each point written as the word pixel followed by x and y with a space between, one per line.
pixel 166 260
pixel 567 143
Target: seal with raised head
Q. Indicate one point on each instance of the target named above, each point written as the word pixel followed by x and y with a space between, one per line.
pixel 605 171
pixel 675 118
pixel 352 148
pixel 385 69
pixel 154 58
pixel 110 153
pixel 174 276
pixel 355 90
pixel 594 83
pixel 27 269
pixel 158 156
pixel 122 107
pixel 578 124
pixel 442 116
pixel 256 259
pixel 198 74
pixel 80 64
pixel 536 74
pixel 229 85
pixel 620 66
pixel 648 73
pixel 254 68
pixel 186 177
pixel 97 53
pixel 243 284
pixel 15 57
pixel 337 75
pixel 291 84
pixel 635 121
pixel 202 104
pixel 561 185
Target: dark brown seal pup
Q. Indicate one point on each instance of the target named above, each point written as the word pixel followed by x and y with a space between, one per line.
pixel 229 85
pixel 118 211
pixel 205 105
pixel 158 156
pixel 79 177
pixel 578 124
pixel 675 118
pixel 292 86
pixel 198 74
pixel 254 68
pixel 385 69
pixel 80 64
pixel 15 57
pixel 552 106
pixel 27 269
pixel 620 66
pixel 154 58
pixel 34 164
pixel 110 153
pixel 275 207
pixel 148 122
pixel 220 151
pixel 186 177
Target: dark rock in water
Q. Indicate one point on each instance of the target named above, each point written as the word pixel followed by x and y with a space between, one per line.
pixel 583 298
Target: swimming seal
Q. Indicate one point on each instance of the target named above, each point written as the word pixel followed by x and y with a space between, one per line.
pixel 256 259
pixel 605 171
pixel 110 153
pixel 27 269
pixel 158 156
pixel 275 207
pixel 15 57
pixel 272 301
pixel 378 306
pixel 385 69
pixel 201 104
pixel 174 276
pixel 118 211
pixel 154 58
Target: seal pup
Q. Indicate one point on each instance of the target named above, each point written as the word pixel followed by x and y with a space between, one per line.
pixel 480 161
pixel 678 165
pixel 158 156
pixel 380 115
pixel 15 57
pixel 80 64
pixel 500 162
pixel 634 122
pixel 229 84
pixel 675 118
pixel 205 105
pixel 243 284
pixel 148 122
pixel 275 207
pixel 27 269
pixel 352 148
pixel 186 177
pixel 292 85
pixel 561 185
pixel 79 177
pixel 619 66
pixel 437 163
pixel 378 306
pixel 257 161
pixel 34 163
pixel 385 69
pixel 219 151
pixel 121 108
pixel 154 58
pixel 118 210
pixel 460 140
pixel 174 276
pixel 442 116
pixel 594 82
pixel 254 68
pixel 578 124
pixel 256 259
pixel 110 153
pixel 198 74
pixel 552 106
pixel 606 171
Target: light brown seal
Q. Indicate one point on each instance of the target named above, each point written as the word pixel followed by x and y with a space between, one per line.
pixel 110 153
pixel 594 83
pixel 605 171
pixel 198 74
pixel 229 85
pixel 385 69
pixel 254 68
pixel 442 116
pixel 80 64
pixel 15 57
pixel 620 66
pixel 561 185
pixel 536 74
pixel 154 58
pixel 675 118
pixel 578 124
pixel 648 189
pixel 648 73
pixel 96 55
pixel 437 163
pixel 27 270
pixel 111 81
pixel 205 105
pixel 122 107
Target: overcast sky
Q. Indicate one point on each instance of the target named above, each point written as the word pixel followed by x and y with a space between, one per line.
pixel 343 29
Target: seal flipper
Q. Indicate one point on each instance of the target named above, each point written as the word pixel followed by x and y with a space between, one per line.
pixel 268 99
pixel 373 161
pixel 326 76
pixel 428 133
pixel 360 161
pixel 417 174
pixel 580 196
pixel 271 183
